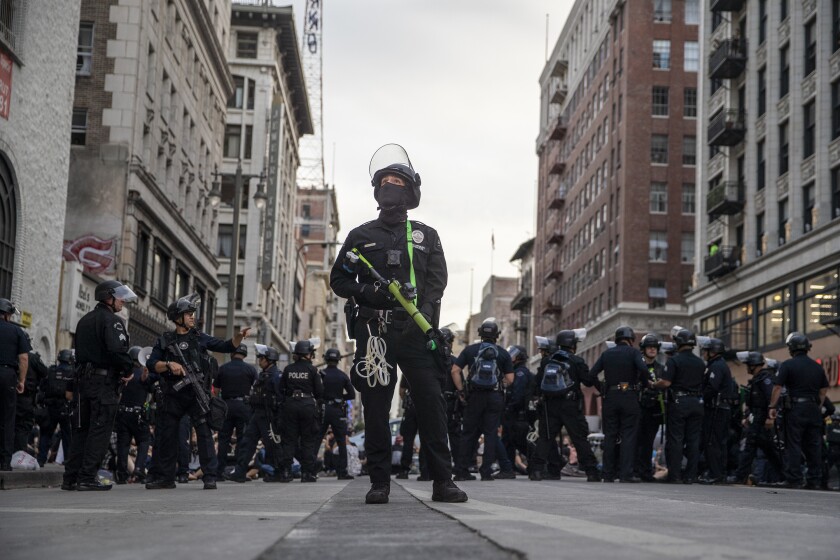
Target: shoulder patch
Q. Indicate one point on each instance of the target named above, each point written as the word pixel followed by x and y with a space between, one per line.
pixel 767 381
pixel 119 326
pixel 519 373
pixel 418 236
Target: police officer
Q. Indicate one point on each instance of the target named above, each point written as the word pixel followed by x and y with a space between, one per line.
pixel 102 356
pixel 832 438
pixel 410 252
pixel 25 410
pixel 408 430
pixel 234 382
pixel 132 422
pixel 625 374
pixel 760 429
pixel 490 370
pixel 185 346
pixel 683 375
pixel 265 402
pixel 301 386
pixel 14 364
pixel 337 391
pixel 717 386
pixel 53 396
pixel 518 397
pixel 652 408
pixel 454 406
pixel 547 347
pixel 807 386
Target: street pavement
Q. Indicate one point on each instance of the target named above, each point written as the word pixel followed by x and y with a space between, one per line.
pixel 503 519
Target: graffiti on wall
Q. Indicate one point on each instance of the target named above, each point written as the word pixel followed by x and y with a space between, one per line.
pixel 96 255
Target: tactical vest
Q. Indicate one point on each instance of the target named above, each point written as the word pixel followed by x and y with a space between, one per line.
pixel 262 391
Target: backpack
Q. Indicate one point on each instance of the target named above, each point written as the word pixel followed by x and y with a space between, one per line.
pixel 56 382
pixel 484 373
pixel 557 375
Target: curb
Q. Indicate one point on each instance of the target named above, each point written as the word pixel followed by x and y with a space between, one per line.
pixel 30 479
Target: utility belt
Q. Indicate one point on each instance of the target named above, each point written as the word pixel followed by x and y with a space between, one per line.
pixel 336 402
pixel 396 318
pixel 570 395
pixel 719 401
pixel 243 399
pixel 623 387
pixel 300 395
pixel 131 409
pixel 683 394
pixel 13 368
pixel 89 370
pixel 811 400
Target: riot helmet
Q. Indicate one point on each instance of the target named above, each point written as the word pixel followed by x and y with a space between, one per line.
pixel 242 350
pixel 392 159
pixel 650 341
pixel 186 304
pixel 797 342
pixel 489 330
pixel 7 307
pixel 114 289
pixel 66 356
pixel 684 337
pixel 566 339
pixel 332 355
pixel 267 352
pixel 751 359
pixel 134 352
pixel 517 353
pixel 448 335
pixel 304 348
pixel 714 346
pixel 625 333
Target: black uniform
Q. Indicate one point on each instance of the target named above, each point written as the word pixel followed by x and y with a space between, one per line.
pixel 382 244
pixel 131 423
pixel 25 410
pixel 301 386
pixel 454 410
pixel 685 371
pixel 408 431
pixel 758 435
pixel 625 374
pixel 178 403
pixel 565 410
pixel 651 417
pixel 515 417
pixel 234 381
pixel 56 409
pixel 102 356
pixel 337 391
pixel 13 343
pixel 483 411
pixel 832 453
pixel 804 378
pixel 265 402
pixel 717 387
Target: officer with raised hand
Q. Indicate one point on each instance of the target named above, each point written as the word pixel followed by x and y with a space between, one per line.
pixel 265 407
pixel 625 374
pixel 103 361
pixel 131 418
pixel 717 386
pixel 337 391
pixel 14 363
pixel 807 386
pixel 234 383
pixel 173 352
pixel 302 387
pixel 684 376
pixel 53 395
pixel 410 252
pixel 652 408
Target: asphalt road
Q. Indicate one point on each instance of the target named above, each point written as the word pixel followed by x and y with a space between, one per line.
pixel 503 519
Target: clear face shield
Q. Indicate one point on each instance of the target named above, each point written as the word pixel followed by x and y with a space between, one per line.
pixel 388 155
pixel 126 294
pixel 193 301
pixel 542 343
pixel 260 349
pixel 580 335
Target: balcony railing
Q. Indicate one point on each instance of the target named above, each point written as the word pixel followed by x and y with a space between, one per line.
pixel 559 199
pixel 728 60
pixel 521 301
pixel 552 307
pixel 556 237
pixel 725 199
pixel 727 128
pixel 727 5
pixel 557 168
pixel 554 273
pixel 558 129
pixel 559 94
pixel 722 262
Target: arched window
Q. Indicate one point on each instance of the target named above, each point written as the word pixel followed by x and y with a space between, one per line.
pixel 8 226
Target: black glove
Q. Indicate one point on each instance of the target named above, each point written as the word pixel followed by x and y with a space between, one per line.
pixel 377 298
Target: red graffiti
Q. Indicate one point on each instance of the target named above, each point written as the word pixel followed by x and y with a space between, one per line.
pixel 96 255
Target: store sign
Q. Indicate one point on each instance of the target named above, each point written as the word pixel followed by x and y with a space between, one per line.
pixel 25 319
pixel 5 84
pixel 78 297
pixel 831 365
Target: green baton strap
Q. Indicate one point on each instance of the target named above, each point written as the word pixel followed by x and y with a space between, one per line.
pixel 410 243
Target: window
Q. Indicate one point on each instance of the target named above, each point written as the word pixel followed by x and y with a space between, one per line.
pixel 773 318
pixel 760 170
pixel 659 148
pixel 784 226
pixel 810 46
pixel 84 53
pixel 182 282
pixel 762 21
pixel 660 101
pixel 78 130
pixel 160 276
pixel 835 109
pixel 240 280
pixel 738 322
pixel 783 149
pixel 659 198
pixel 151 73
pixel 305 230
pixel 691 60
pixel 246 45
pixel 243 94
pixel 783 10
pixel 225 241
pixel 690 102
pixel 760 238
pixel 141 260
pixel 689 154
pixel 689 195
pixel 835 193
pixel 835 25
pixel 808 208
pixel 762 91
pixel 249 140
pixel 658 246
pixel 687 247
pixel 809 129
pixel 662 54
pixel 662 11
pixel 692 12
pixel 657 294
pixel 817 299
pixel 229 191
pixel 233 140
pixel 784 71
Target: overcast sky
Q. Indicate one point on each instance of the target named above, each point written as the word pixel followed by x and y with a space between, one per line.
pixel 456 84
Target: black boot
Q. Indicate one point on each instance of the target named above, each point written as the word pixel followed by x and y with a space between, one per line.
pixel 378 493
pixel 447 491
pixel 160 485
pixel 308 477
pixel 92 486
pixel 345 476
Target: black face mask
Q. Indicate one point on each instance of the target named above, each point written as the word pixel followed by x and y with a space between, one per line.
pixel 392 203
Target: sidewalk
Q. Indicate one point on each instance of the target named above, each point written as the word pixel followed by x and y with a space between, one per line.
pixel 48 476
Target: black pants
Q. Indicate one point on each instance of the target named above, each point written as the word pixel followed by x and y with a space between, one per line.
pixel 301 434
pixel 406 349
pixel 832 459
pixel 482 415
pixel 621 418
pixel 55 416
pixel 8 399
pixel 408 431
pixel 685 427
pixel 757 437
pixel 132 425
pixel 175 407
pixel 515 435
pixel 803 435
pixel 24 419
pixel 258 429
pixel 92 425
pixel 716 440
pixel 454 424
pixel 336 418
pixel 238 416
pixel 650 420
pixel 555 414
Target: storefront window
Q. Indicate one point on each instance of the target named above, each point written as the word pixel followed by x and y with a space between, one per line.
pixel 773 318
pixel 817 299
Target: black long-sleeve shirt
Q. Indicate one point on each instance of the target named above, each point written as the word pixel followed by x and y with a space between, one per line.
pixel 337 385
pixel 102 341
pixel 621 364
pixel 301 376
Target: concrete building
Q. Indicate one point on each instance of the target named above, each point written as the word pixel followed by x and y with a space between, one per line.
pixel 768 206
pixel 496 297
pixel 148 122
pixel 522 302
pixel 266 117
pixel 617 153
pixel 37 73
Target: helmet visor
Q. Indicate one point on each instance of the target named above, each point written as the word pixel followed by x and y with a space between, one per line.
pixel 742 356
pixel 387 155
pixel 125 293
pixel 315 342
pixel 542 342
pixel 260 349
pixel 580 334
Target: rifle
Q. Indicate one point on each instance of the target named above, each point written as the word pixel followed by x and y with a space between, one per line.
pixel 193 379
